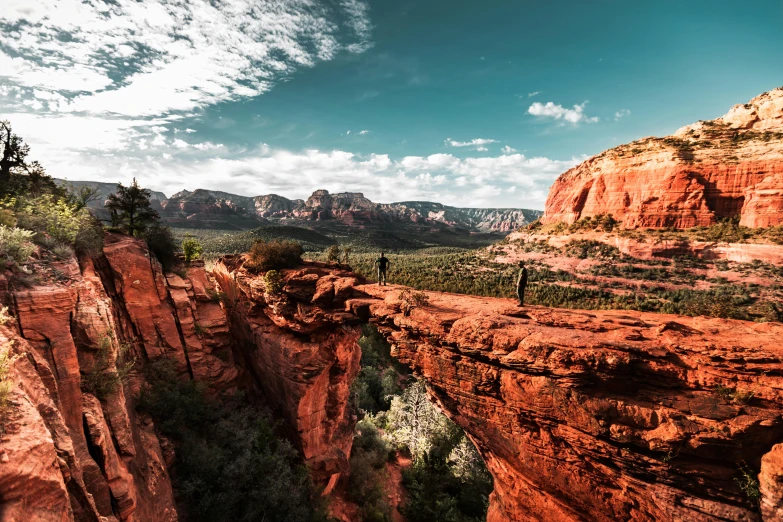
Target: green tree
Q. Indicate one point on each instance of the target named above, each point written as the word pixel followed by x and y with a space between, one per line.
pixel 130 208
pixel 191 248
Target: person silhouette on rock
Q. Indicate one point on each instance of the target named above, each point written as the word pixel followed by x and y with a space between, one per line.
pixel 521 283
pixel 383 264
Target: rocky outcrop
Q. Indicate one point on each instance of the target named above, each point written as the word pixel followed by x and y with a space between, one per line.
pixel 303 359
pixel 731 166
pixel 601 415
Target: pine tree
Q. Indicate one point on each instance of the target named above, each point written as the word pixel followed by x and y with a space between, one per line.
pixel 13 153
pixel 130 209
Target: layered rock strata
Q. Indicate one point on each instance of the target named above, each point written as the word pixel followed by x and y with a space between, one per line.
pixel 728 167
pixel 66 454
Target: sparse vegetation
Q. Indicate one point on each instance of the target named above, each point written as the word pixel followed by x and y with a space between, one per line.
pixel 412 299
pixel 191 249
pixel 273 283
pixel 734 395
pixel 16 244
pixel 109 371
pixel 6 385
pixel 230 463
pixel 749 484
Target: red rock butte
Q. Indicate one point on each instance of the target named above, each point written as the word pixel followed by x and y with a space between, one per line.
pixel 727 167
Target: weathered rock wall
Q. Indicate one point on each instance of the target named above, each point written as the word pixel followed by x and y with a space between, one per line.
pixel 601 415
pixel 97 458
pixel 731 166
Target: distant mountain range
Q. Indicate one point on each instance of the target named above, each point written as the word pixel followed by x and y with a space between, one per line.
pixel 221 210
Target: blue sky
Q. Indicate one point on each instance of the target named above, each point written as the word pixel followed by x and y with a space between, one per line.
pixel 466 103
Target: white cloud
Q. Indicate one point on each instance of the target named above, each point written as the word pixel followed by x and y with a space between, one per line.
pixel 109 58
pixel 476 142
pixel 117 150
pixel 621 114
pixel 482 149
pixel 508 150
pixel 532 94
pixel 363 132
pixel 558 112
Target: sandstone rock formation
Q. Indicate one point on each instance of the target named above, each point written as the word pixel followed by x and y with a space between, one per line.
pixel 727 167
pixel 303 359
pixel 579 415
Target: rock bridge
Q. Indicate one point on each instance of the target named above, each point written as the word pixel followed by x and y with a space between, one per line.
pixel 579 415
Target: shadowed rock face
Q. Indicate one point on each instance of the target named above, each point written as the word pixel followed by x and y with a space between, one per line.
pixel 731 166
pixel 579 415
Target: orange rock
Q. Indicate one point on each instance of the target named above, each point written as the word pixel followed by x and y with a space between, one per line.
pixel 298 358
pixel 601 415
pixel 731 166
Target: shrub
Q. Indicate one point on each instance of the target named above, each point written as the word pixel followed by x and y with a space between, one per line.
pixel 6 360
pixel 62 252
pixel 4 317
pixel 333 254
pixel 107 374
pixel 191 249
pixel 7 218
pixel 16 244
pixel 410 300
pixel 161 243
pixel 273 283
pixel 749 484
pixel 274 255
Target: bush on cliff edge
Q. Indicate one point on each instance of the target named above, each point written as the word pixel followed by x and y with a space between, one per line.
pixel 274 255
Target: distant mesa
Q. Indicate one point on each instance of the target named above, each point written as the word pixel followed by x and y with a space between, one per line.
pixel 728 167
pixel 216 209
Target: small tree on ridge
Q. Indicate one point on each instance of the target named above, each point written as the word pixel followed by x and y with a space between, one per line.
pixel 130 208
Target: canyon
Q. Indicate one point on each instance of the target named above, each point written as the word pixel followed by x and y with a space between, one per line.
pixel 599 415
pixel 711 170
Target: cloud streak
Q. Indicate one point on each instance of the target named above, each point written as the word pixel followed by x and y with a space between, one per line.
pixel 558 112
pixel 476 143
pixel 100 57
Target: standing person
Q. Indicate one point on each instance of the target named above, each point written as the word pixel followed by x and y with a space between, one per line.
pixel 383 264
pixel 521 283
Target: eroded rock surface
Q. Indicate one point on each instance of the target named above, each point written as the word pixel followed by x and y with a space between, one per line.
pixel 730 166
pixel 70 455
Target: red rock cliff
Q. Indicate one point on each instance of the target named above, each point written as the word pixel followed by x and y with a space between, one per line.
pixel 579 415
pixel 65 454
pixel 731 166
pixel 303 358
